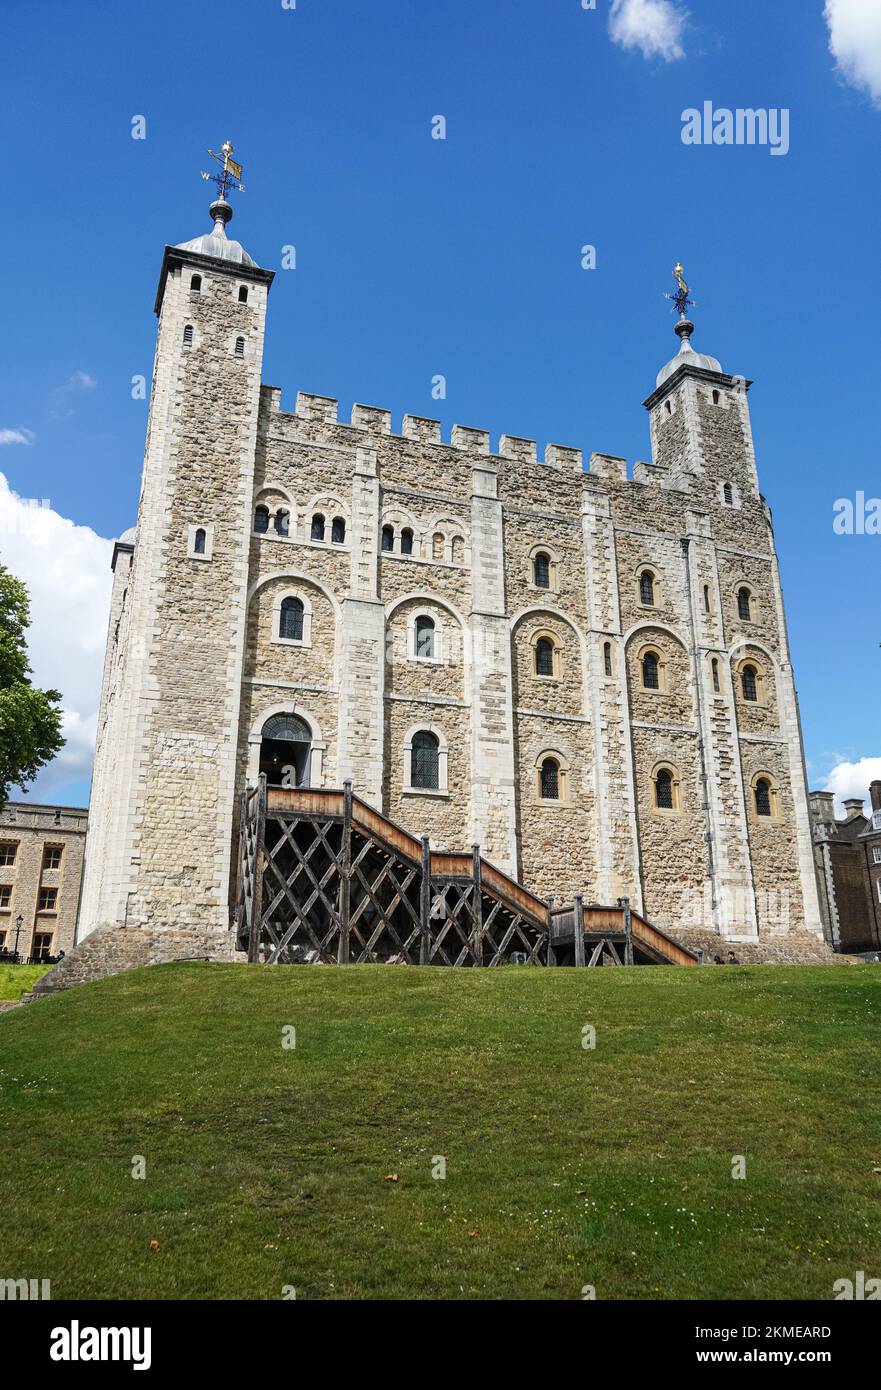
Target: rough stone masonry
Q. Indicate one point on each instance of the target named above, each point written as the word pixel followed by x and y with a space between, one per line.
pixel 586 673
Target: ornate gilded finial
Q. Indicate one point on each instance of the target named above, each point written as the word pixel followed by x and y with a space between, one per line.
pixel 682 299
pixel 231 172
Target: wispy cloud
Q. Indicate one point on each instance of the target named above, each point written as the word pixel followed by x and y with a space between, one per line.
pixel 855 43
pixel 63 397
pixel 655 27
pixel 19 436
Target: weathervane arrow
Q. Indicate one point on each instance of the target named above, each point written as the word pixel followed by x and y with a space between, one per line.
pixel 230 174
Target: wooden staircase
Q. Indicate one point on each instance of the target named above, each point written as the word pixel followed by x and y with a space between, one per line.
pixel 325 877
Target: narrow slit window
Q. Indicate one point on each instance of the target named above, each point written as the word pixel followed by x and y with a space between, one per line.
pixel 647 589
pixel 763 797
pixel 607 658
pixel 750 684
pixel 425 761
pixel 291 620
pixel 544 657
pixel 664 790
pixel 744 605
pixel 728 494
pixel 651 674
pixel 199 541
pixel 542 570
pixel 550 780
pixel 716 685
pixel 188 336
pixel 243 294
pixel 240 347
pixel 425 632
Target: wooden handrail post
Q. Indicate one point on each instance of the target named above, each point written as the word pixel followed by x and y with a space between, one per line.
pixel 628 931
pixel 346 875
pixel 477 906
pixel 425 904
pixel 257 900
pixel 579 929
pixel 552 954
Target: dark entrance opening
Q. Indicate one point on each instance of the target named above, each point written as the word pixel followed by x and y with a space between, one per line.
pixel 285 751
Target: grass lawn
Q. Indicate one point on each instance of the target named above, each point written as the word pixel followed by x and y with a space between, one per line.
pixel 266 1166
pixel 16 980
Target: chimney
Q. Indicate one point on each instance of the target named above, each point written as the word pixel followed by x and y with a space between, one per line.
pixel 875 793
pixel 822 807
pixel 853 807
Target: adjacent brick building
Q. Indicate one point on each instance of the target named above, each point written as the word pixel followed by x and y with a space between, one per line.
pixel 585 672
pixel 41 863
pixel 848 860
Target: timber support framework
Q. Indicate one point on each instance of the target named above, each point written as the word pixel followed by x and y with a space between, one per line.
pixel 325 877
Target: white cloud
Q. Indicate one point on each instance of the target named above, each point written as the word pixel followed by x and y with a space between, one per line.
pixel 63 396
pixel 855 42
pixel 655 27
pixel 21 436
pixel 849 780
pixel 67 572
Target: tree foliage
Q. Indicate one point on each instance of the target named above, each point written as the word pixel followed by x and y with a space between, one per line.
pixel 30 720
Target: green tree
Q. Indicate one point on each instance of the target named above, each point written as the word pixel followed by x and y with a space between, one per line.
pixel 30 720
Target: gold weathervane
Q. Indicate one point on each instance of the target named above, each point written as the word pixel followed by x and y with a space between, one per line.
pixel 682 298
pixel 231 173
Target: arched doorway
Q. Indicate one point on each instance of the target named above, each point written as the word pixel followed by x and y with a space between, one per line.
pixel 286 751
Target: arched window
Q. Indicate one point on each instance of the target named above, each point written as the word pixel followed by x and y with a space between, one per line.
pixel 549 775
pixel 437 546
pixel 338 531
pixel 541 569
pixel 188 336
pixel 425 632
pixel 243 294
pixel 664 790
pixel 424 761
pixel 458 550
pixel 651 673
pixel 199 541
pixel 388 539
pixel 317 531
pixel 728 494
pixel 240 347
pixel 716 685
pixel 647 589
pixel 261 520
pixel 763 797
pixel 750 683
pixel 196 284
pixel 282 522
pixel 290 623
pixel 406 541
pixel 744 604
pixel 544 657
pixel 607 658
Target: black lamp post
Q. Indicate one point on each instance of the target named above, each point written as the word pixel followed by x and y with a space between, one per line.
pixel 18 921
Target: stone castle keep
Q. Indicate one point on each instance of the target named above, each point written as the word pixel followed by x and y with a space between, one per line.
pixel 586 674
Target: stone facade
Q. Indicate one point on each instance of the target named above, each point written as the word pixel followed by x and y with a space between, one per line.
pixel 41 864
pixel 847 855
pixel 532 571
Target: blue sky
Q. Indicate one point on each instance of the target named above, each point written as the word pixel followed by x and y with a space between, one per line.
pixel 462 257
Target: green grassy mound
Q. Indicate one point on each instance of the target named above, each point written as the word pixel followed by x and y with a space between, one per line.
pixel 16 980
pixel 268 1167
